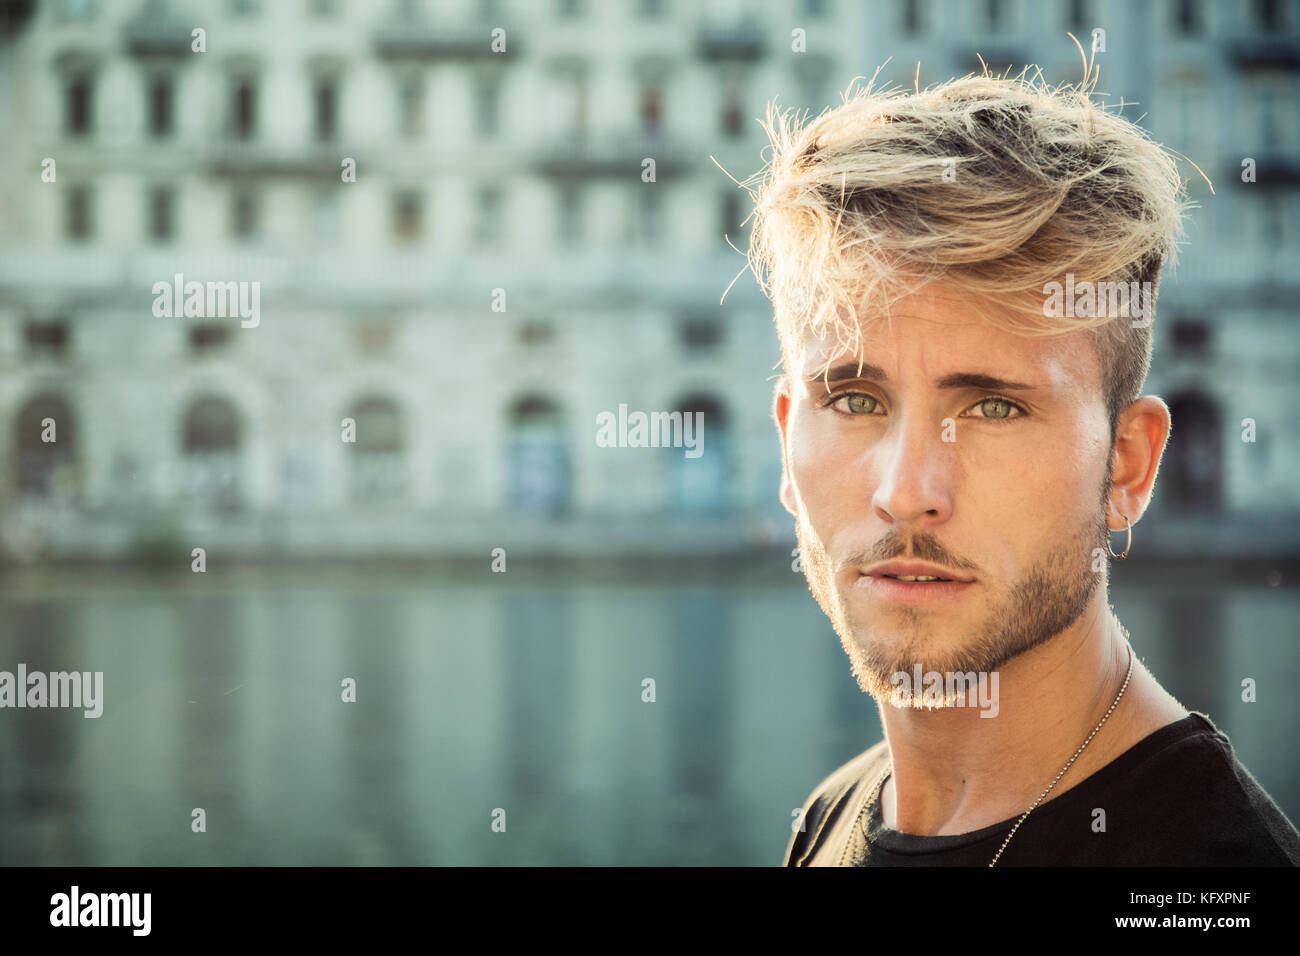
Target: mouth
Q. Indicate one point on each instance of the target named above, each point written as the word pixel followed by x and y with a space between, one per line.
pixel 913 589
pixel 911 571
pixel 921 578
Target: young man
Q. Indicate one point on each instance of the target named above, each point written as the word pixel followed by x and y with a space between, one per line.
pixel 961 426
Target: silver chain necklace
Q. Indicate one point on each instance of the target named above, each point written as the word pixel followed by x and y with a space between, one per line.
pixel 876 788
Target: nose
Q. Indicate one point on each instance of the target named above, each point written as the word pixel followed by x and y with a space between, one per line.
pixel 913 468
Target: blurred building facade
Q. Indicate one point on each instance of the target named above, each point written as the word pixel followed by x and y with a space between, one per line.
pixel 500 272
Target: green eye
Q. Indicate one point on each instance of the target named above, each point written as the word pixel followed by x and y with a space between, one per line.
pixel 859 404
pixel 997 408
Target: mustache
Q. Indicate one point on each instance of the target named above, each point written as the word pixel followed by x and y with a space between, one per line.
pixel 923 547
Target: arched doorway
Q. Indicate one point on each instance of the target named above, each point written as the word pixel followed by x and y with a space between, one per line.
pixel 378 456
pixel 45 450
pixel 211 448
pixel 1194 477
pixel 539 466
pixel 700 485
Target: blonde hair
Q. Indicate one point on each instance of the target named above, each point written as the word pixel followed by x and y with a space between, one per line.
pixel 992 185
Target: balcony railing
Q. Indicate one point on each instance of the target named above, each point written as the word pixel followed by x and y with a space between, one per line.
pixel 731 41
pixel 156 32
pixel 1274 166
pixel 240 157
pixel 585 153
pixel 420 39
pixel 1265 52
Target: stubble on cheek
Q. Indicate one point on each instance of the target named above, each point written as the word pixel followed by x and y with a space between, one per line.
pixel 859 638
pixel 818 570
pixel 1006 622
pixel 999 620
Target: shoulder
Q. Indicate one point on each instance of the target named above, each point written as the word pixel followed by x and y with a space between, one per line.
pixel 831 800
pixel 1214 810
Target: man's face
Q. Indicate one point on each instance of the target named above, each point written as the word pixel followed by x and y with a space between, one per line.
pixel 1001 487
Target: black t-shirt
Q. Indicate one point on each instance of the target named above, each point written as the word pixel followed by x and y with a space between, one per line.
pixel 1179 797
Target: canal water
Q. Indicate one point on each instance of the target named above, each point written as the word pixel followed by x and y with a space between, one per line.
pixel 517 699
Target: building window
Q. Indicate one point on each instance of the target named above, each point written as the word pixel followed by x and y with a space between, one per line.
pixel 245 8
pixel 46 339
pixel 323 8
pixel 1187 16
pixel 911 17
pixel 653 9
pixel 243 214
pixel 243 108
pixel 1077 14
pixel 568 101
pixel 208 337
pixel 487 105
pixel 1190 339
pixel 407 223
pixel 325 108
pixel 538 458
pixel 1195 454
pixel 46 469
pixel 535 333
pixel 570 8
pixel 161 213
pixel 378 466
pixel 570 219
pixel 488 226
pixel 699 486
pixel 160 106
pixel 733 113
pixel 374 336
pixel 1270 15
pixel 78 93
pixel 410 106
pixel 79 221
pixel 652 110
pixel 210 445
pixel 701 334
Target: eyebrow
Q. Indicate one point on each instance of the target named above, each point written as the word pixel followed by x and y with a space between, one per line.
pixel 851 371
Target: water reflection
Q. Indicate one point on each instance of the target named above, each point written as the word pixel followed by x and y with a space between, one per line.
pixel 478 693
pixel 537 647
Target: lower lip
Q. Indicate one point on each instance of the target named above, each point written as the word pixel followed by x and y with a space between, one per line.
pixel 912 592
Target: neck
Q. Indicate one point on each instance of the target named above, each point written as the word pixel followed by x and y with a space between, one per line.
pixel 955 771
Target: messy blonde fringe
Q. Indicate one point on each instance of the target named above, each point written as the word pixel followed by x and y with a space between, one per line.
pixel 853 210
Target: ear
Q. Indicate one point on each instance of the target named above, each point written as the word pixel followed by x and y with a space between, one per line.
pixel 781 413
pixel 1140 436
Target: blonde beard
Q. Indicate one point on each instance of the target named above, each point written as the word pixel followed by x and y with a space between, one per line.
pixel 1039 606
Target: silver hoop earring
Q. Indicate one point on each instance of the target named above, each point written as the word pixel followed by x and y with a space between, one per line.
pixel 1127 544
